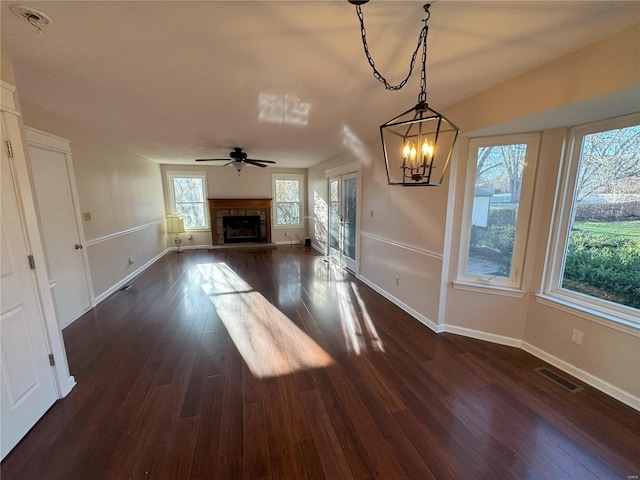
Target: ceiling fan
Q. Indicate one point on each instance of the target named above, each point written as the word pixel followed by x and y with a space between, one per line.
pixel 238 159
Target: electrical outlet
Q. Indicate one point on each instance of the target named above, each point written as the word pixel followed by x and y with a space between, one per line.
pixel 86 216
pixel 131 261
pixel 576 336
pixel 397 280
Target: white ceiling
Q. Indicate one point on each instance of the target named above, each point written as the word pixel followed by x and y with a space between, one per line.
pixel 179 80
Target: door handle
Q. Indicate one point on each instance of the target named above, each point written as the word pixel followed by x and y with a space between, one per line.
pixel 77 246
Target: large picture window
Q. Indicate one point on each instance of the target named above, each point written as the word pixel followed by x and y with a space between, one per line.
pixel 499 187
pixel 188 197
pixel 287 200
pixel 595 259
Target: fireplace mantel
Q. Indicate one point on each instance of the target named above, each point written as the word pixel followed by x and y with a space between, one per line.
pixel 220 207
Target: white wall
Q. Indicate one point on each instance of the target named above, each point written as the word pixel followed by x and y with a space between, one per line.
pixel 123 193
pixel 224 182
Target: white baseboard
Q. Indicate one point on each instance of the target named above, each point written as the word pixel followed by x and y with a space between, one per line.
pixel 318 249
pixel 418 316
pixel 67 386
pixel 597 383
pixel 480 335
pixel 586 377
pixel 129 277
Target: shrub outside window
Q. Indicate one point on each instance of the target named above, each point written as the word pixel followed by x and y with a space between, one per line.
pixel 500 177
pixel 595 261
pixel 188 197
pixel 288 194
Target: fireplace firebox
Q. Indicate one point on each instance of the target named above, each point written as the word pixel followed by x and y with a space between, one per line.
pixel 240 229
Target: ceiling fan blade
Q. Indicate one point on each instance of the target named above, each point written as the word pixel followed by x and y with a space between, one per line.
pixel 257 163
pixel 261 161
pixel 212 159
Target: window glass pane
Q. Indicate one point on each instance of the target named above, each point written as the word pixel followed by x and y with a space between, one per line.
pixel 287 191
pixel 496 200
pixel 193 214
pixel 287 213
pixel 188 189
pixel 602 257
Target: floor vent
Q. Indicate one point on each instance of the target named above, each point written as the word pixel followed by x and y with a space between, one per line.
pixel 124 288
pixel 563 382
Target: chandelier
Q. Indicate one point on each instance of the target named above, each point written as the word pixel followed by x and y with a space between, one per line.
pixel 418 143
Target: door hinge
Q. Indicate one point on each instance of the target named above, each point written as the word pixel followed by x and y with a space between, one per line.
pixel 9 149
pixel 32 262
pixel 52 361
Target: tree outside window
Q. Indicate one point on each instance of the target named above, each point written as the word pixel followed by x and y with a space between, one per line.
pixel 602 255
pixel 501 171
pixel 188 198
pixel 287 193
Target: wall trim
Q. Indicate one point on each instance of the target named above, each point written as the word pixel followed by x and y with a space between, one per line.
pixel 414 313
pixel 421 251
pixel 67 385
pixel 319 249
pixel 485 336
pixel 596 382
pixel 121 233
pixel 129 277
pixel 350 167
pixel 586 377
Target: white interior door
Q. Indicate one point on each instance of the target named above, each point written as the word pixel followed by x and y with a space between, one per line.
pixel 51 169
pixel 27 383
pixel 343 220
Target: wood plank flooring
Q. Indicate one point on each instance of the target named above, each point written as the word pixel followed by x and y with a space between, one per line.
pixel 272 364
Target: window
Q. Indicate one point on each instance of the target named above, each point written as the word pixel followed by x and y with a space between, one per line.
pixel 499 188
pixel 288 195
pixel 188 197
pixel 594 260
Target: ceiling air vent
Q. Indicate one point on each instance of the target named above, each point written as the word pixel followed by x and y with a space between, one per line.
pixel 33 16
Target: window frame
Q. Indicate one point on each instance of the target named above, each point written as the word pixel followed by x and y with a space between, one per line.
pixel 511 285
pixel 301 196
pixel 171 175
pixel 599 310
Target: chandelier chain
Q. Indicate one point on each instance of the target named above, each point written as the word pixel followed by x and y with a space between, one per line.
pixel 422 39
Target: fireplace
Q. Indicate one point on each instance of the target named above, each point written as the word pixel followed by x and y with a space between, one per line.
pixel 220 208
pixel 241 228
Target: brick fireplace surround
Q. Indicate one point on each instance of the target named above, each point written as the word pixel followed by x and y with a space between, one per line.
pixel 222 207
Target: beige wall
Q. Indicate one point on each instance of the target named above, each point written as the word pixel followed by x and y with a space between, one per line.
pixel 224 182
pixel 413 233
pixel 122 192
pixel 573 87
pixel 6 69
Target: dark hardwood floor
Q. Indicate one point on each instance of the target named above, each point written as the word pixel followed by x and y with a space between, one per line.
pixel 263 364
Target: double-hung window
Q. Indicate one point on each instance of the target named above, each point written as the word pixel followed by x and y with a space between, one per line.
pixel 498 194
pixel 593 263
pixel 288 193
pixel 188 197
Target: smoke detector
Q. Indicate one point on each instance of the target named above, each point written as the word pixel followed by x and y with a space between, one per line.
pixel 33 16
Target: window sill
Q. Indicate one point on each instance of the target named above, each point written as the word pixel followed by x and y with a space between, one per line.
pixel 570 306
pixel 277 227
pixel 488 288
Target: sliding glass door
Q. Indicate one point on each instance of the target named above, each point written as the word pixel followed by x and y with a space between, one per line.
pixel 343 220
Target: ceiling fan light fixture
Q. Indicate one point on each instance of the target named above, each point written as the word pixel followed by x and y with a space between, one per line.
pixel 238 165
pixel 417 144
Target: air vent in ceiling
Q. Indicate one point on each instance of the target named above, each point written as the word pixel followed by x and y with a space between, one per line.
pixel 33 16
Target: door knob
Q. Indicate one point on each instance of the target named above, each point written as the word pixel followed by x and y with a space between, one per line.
pixel 78 246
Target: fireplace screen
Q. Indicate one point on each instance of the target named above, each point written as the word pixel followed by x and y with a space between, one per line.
pixel 240 229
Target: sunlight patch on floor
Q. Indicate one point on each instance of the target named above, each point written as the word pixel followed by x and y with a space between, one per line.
pixel 269 342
